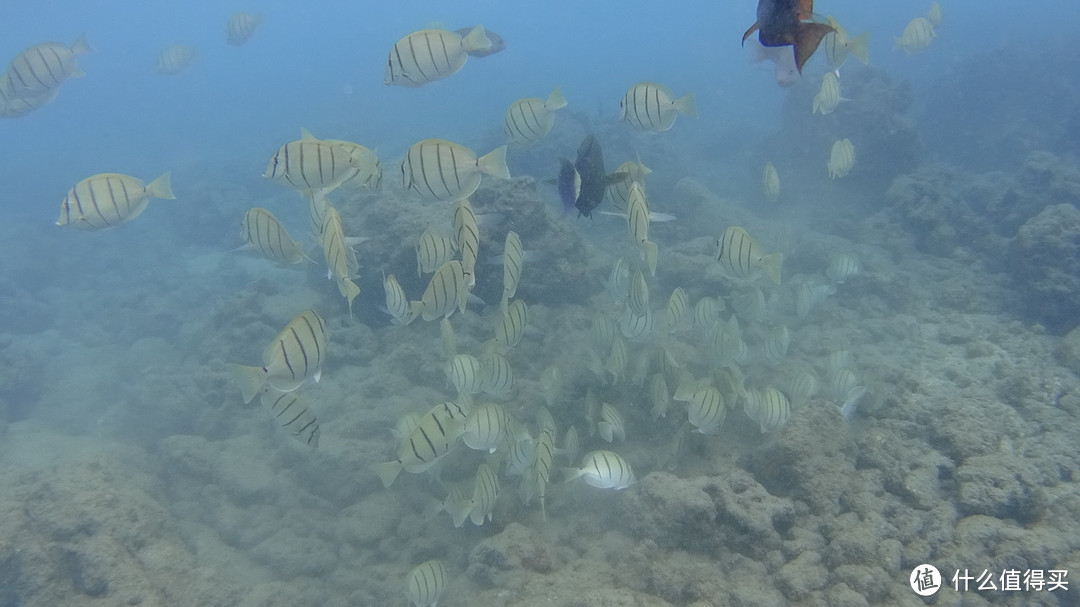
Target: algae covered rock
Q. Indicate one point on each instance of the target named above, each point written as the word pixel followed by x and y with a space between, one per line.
pixel 1044 262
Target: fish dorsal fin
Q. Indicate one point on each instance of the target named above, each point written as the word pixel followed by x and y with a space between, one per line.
pixel 807 38
pixel 305 135
pixel 750 32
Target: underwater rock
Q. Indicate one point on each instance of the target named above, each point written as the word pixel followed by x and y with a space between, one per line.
pixel 517 550
pixel 1045 264
pixel 672 512
pixel 1002 487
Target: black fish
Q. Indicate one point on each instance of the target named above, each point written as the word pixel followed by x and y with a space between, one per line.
pixel 786 23
pixel 497 42
pixel 583 183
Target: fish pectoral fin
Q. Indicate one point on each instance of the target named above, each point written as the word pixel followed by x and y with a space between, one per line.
pixel 612 179
pixel 749 32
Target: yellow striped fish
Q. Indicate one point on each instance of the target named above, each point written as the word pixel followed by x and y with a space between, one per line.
pixel 426 583
pixel 433 249
pixel 292 358
pixel 485 492
pixel 839 45
pixel 401 310
pixel 41 69
pixel 841 158
pixel 432 54
pixel 448 290
pixel 619 192
pixel 776 344
pixel 616 360
pixel 513 260
pixel 264 233
pixel 485 426
pixel 802 387
pixel 637 300
pixel 313 164
pixel 707 312
pixel 828 96
pixel 366 166
pixel 676 309
pixel 637 220
pixel 618 281
pixel 438 431
pixel 916 37
pixel 466 238
pixel 770 182
pixel 706 410
pixel 649 106
pixel 535 478
pixel 773 410
pixel 511 325
pixel 175 59
pixel 604 470
pixel 842 267
pixel 240 28
pixel 341 262
pixel 107 200
pixel 636 328
pixel 660 396
pixel 464 372
pixel 610 424
pixel 316 207
pixel 741 257
pixel 933 15
pixel 602 334
pixel 293 415
pixel 530 120
pixel 443 171
pixel 13 107
pixel 496 375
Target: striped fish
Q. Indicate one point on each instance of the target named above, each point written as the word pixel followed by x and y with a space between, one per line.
pixel 401 310
pixel 551 384
pixel 828 95
pixel 841 158
pixel 464 372
pixel 604 470
pixel 366 167
pixel 617 358
pixel 316 207
pixel 405 426
pixel 480 507
pixel 545 420
pixel 770 182
pixel 933 15
pixel 175 59
pixel 293 415
pixel 294 356
pixel 637 300
pixel 535 478
pixel 775 347
pixel 13 107
pixel 649 106
pixel 341 264
pixel 706 410
pixel 843 382
pixel 443 171
pixel 676 309
pixel 426 583
pixel 636 328
pixel 802 387
pixel 749 304
pixel 602 334
pixel 511 325
pixel 773 410
pixel 485 426
pixel 619 192
pixel 432 54
pixel 618 283
pixel 438 431
pixel 571 445
pixel 240 28
pixel 660 396
pixel 917 36
pixel 842 267
pixel 519 449
pixel 40 70
pixel 839 45
pixel 313 164
pixel 740 256
pixel 264 233
pixel 433 249
pixel 513 260
pixel 107 200
pixel 707 313
pixel 610 424
pixel 496 375
pixel 637 221
pixel 466 238
pixel 530 120
pixel 838 359
pixel 447 291
pixel 726 344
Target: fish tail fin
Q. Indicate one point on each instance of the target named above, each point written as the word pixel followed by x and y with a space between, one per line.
pixel 494 163
pixel 571 474
pixel 687 105
pixel 555 100
pixel 460 511
pixel 649 253
pixel 349 290
pixel 365 161
pixel 81 46
pixel 306 135
pixel 807 38
pixel 476 40
pixel 770 264
pixel 161 187
pixel 387 472
pixel 251 380
pixel 463 291
pixel 860 47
